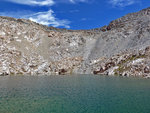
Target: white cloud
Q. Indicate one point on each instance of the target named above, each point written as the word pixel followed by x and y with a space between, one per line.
pixel 44 2
pixel 74 1
pixel 34 2
pixel 121 3
pixel 48 18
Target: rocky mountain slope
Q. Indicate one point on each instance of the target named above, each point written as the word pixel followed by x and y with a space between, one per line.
pixel 121 48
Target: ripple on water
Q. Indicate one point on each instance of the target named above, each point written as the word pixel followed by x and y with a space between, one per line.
pixel 74 94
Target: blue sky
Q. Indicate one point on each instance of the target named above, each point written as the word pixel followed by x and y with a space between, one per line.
pixel 71 14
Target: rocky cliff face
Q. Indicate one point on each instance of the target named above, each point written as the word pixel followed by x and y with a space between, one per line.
pixel 121 48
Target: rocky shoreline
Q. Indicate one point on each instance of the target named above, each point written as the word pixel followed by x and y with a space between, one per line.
pixel 135 63
pixel 122 48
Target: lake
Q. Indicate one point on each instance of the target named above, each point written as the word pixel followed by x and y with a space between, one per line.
pixel 74 94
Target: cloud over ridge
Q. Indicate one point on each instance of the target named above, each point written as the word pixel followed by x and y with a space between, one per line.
pixel 48 18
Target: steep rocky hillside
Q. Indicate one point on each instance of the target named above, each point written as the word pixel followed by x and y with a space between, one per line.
pixel 121 48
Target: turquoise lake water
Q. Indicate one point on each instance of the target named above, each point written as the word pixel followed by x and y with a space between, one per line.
pixel 74 94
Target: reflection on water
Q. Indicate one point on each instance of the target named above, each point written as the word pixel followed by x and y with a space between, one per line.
pixel 74 94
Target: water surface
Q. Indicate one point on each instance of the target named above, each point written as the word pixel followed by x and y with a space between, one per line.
pixel 74 94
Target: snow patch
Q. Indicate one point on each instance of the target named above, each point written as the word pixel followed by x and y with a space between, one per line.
pixel 111 71
pixel 137 60
pixel 42 66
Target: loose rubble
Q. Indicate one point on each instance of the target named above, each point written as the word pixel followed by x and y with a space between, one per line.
pixel 122 48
